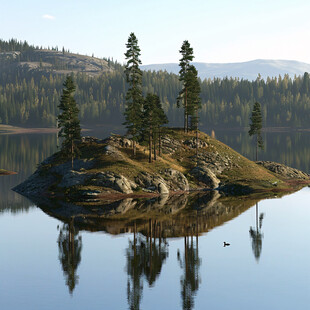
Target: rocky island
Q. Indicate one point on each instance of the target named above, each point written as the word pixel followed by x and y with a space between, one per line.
pixel 108 170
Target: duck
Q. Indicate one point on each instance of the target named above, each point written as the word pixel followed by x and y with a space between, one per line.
pixel 226 244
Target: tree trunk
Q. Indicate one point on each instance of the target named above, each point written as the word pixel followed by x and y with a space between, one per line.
pixel 159 142
pixel 185 112
pixel 72 154
pixel 155 157
pixel 134 147
pixel 150 145
pixel 197 132
pixel 256 146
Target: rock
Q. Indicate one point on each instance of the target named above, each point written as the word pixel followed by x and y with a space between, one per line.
pixel 114 152
pixel 151 182
pixel 113 181
pixel 73 178
pixel 192 143
pixel 35 185
pixel 162 189
pixel 284 171
pixel 176 180
pixel 169 145
pixel 78 164
pixel 205 175
pixel 88 139
pixel 118 141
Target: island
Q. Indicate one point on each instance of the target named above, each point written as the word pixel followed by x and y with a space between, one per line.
pixel 108 170
pixel 6 172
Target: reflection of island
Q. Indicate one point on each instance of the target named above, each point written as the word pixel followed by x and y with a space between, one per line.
pixel 152 222
pixel 70 247
pixel 257 235
pixel 174 215
pixel 190 279
pixel 145 257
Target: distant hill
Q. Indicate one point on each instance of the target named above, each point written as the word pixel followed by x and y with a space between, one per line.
pixel 244 70
pixel 57 61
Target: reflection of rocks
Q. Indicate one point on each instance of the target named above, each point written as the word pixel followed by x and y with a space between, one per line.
pixel 284 171
pixel 177 215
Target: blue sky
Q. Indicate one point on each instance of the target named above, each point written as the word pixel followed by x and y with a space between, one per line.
pixel 219 31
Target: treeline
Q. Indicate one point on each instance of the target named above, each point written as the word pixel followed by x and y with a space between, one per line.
pixel 30 97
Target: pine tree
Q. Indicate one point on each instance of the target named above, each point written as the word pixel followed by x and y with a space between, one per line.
pixel 134 97
pixel 187 56
pixel 68 120
pixel 256 126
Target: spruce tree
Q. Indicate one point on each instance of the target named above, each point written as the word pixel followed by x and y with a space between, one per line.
pixel 256 126
pixel 187 56
pixel 68 121
pixel 134 97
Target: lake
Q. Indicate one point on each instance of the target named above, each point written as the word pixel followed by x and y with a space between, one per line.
pixel 170 258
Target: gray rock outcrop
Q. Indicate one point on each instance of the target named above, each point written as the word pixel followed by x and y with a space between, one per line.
pixel 113 181
pixel 204 175
pixel 176 180
pixel 285 171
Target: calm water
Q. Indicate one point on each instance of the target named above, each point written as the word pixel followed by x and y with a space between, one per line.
pixel 48 264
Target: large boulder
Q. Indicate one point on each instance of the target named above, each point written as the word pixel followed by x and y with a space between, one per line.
pixel 204 175
pixel 113 181
pixel 73 178
pixel 150 182
pixel 176 180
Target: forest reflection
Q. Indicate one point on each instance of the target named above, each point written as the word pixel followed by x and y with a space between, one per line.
pixel 145 257
pixel 151 224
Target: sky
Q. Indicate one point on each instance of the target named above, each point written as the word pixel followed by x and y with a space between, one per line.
pixel 220 31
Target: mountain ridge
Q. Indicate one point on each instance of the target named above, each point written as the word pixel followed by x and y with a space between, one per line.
pixel 247 70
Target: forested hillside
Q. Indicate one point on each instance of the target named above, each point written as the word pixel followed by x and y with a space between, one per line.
pixel 31 83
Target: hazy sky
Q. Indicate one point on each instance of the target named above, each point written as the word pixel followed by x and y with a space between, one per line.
pixel 218 30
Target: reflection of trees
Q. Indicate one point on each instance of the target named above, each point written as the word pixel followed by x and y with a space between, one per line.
pixel 145 257
pixel 70 247
pixel 257 235
pixel 190 279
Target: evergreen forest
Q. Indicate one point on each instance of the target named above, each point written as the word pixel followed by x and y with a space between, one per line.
pixel 29 96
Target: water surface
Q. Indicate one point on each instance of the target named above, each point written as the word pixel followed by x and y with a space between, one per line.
pixel 49 264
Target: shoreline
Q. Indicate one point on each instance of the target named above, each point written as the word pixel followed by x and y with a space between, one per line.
pixel 14 130
pixel 9 129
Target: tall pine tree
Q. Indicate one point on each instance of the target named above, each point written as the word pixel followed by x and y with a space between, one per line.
pixel 68 121
pixel 187 56
pixel 256 126
pixel 134 97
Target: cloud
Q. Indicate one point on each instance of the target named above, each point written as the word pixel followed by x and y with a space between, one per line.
pixel 49 17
